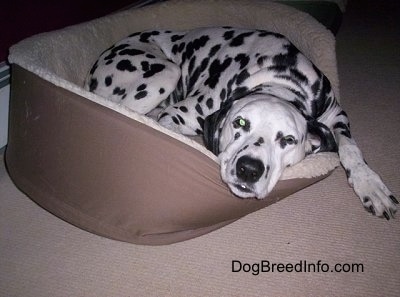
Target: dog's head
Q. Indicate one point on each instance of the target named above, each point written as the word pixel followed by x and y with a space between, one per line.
pixel 257 137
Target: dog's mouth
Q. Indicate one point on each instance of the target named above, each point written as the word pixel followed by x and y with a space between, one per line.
pixel 243 188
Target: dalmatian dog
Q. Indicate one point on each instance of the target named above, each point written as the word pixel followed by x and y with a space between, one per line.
pixel 259 103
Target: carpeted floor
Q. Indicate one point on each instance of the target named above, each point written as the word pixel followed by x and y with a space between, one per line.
pixel 41 255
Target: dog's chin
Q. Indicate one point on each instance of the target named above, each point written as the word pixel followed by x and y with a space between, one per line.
pixel 245 191
pixel 242 191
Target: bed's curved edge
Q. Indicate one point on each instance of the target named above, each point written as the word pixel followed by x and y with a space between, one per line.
pixel 62 83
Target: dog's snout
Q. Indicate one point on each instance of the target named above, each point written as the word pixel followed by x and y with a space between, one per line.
pixel 249 169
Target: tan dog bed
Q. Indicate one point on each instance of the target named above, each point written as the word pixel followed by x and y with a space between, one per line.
pixel 118 174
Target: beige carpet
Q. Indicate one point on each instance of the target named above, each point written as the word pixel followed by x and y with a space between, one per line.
pixel 41 255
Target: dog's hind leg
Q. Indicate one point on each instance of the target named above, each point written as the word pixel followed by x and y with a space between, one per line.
pixel 134 74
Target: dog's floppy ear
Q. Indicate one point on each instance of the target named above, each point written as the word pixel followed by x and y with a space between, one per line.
pixel 320 137
pixel 212 128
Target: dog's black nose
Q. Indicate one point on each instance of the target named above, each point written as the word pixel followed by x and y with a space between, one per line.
pixel 249 169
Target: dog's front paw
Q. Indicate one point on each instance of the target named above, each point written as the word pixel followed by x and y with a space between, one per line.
pixel 374 194
pixel 176 122
pixel 170 122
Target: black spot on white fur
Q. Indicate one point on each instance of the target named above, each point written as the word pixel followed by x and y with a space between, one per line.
pixel 125 65
pixel 140 95
pixel 108 81
pixel 154 68
pixel 215 71
pixel 141 87
pixel 93 84
pixel 259 141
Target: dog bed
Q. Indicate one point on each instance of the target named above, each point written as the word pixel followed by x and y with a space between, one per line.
pixel 119 174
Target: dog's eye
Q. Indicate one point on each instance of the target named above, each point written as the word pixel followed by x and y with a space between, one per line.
pixel 289 139
pixel 241 123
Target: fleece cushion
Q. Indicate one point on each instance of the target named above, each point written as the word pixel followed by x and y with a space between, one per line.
pixel 119 174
